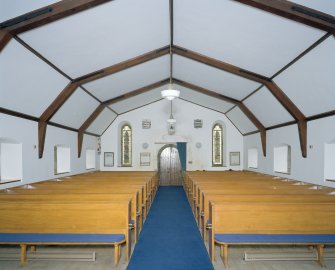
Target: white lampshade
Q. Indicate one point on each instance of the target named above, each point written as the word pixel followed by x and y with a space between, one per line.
pixel 172 121
pixel 170 94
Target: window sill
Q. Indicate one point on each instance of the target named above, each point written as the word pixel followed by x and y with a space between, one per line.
pixel 9 181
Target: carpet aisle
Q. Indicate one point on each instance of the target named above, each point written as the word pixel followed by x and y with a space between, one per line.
pixel 170 238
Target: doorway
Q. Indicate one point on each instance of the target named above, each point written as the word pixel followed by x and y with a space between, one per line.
pixel 169 167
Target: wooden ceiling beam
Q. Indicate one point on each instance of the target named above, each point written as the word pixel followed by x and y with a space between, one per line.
pixel 295 113
pixel 44 16
pixel 72 86
pixel 240 104
pixel 295 12
pixel 219 64
pixel 49 112
pixel 5 37
pixel 103 105
pixel 122 65
pixel 205 91
pixel 86 124
pixel 136 92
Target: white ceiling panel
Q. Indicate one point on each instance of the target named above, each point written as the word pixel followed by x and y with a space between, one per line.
pixel 13 8
pixel 130 79
pixel 240 35
pixel 310 82
pixel 28 85
pixel 76 109
pixel 212 78
pixel 326 6
pixel 99 125
pixel 267 108
pixel 138 101
pixel 102 36
pixel 204 100
pixel 241 121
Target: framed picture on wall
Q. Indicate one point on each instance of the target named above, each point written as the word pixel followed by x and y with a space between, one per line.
pixel 145 159
pixel 109 159
pixel 234 158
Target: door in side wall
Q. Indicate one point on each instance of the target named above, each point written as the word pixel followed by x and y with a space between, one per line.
pixel 170 172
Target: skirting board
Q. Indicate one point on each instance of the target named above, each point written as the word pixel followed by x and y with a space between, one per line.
pixel 50 256
pixel 286 256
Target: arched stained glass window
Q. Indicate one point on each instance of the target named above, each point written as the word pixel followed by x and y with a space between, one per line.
pixel 126 145
pixel 217 145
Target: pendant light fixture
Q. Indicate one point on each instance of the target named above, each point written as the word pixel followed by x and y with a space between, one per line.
pixel 170 93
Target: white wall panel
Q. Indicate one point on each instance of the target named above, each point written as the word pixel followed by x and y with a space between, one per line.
pixel 13 8
pixel 104 119
pixel 204 100
pixel 28 85
pixel 310 169
pixel 157 136
pixel 76 109
pixel 130 79
pixel 326 6
pixel 241 121
pixel 103 35
pixel 212 78
pixel 267 108
pixel 240 35
pixel 138 101
pixel 40 169
pixel 310 82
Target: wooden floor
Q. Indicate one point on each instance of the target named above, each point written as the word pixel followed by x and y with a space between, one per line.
pixel 104 260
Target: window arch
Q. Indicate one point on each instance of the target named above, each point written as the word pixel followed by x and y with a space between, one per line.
pixel 217 145
pixel 126 145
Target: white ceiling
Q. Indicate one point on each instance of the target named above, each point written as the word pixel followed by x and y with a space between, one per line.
pixel 310 82
pixel 138 101
pixel 104 119
pixel 216 80
pixel 271 112
pixel 130 79
pixel 102 36
pixel 121 30
pixel 205 100
pixel 27 84
pixel 76 109
pixel 240 35
pixel 326 6
pixel 241 121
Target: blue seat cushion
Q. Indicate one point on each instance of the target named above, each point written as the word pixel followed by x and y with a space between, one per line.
pixel 60 238
pixel 275 238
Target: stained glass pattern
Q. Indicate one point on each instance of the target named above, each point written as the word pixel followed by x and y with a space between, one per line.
pixel 126 145
pixel 217 145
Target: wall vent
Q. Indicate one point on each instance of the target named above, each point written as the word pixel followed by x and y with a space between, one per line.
pixel 197 123
pixel 146 124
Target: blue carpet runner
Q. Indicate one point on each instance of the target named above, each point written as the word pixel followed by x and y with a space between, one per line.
pixel 170 238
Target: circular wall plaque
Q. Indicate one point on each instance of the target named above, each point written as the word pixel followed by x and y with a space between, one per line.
pixel 145 145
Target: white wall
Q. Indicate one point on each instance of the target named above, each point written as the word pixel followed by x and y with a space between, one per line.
pixel 35 169
pixel 310 169
pixel 157 136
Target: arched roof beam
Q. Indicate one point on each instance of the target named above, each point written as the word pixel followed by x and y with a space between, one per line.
pixel 295 12
pixel 72 86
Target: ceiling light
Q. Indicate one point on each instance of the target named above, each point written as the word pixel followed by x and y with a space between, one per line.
pixel 170 94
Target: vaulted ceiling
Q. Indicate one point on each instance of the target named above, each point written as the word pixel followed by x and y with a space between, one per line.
pixel 80 64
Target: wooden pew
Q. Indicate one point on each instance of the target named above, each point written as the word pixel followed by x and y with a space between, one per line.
pixel 137 214
pixel 248 223
pixel 273 198
pixel 71 223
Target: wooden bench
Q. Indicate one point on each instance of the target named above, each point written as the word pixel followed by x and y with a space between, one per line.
pixel 72 223
pixel 241 223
